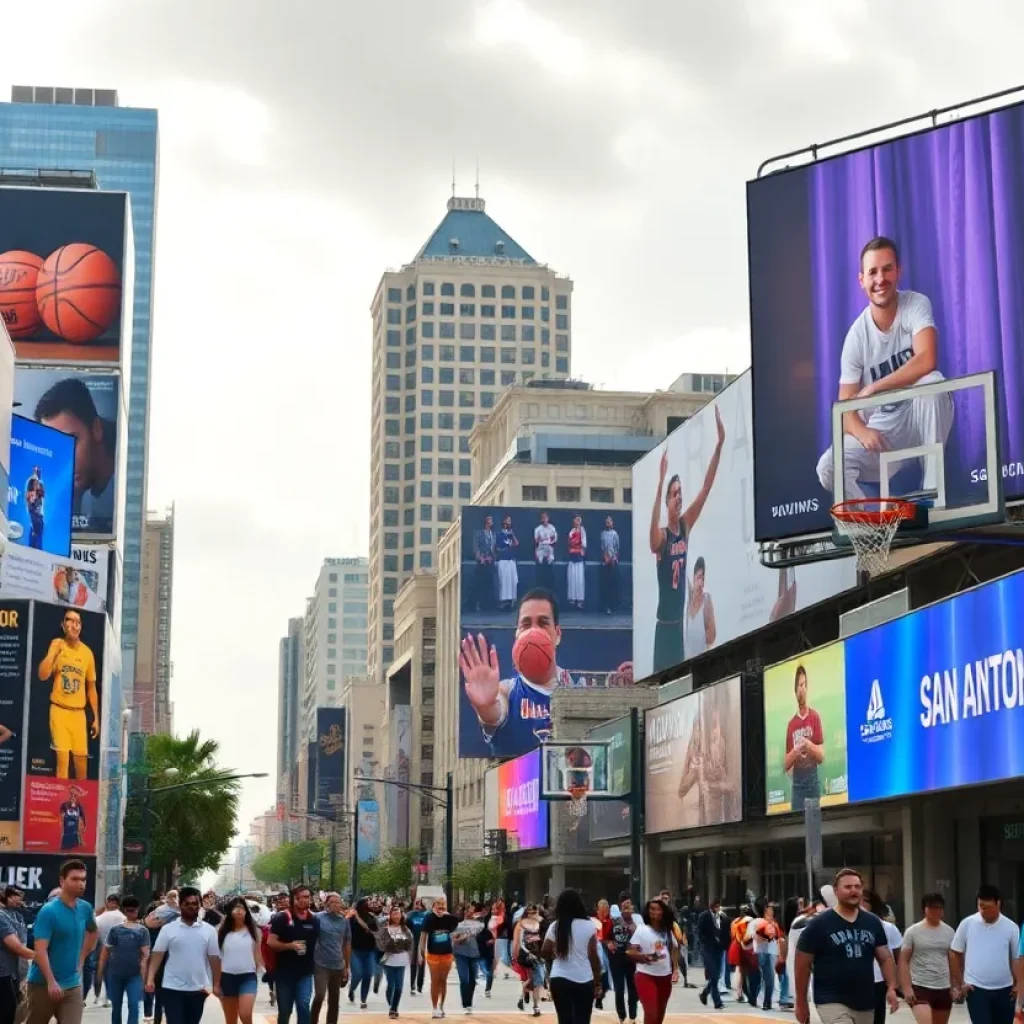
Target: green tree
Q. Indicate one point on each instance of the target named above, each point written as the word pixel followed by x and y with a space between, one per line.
pixel 478 879
pixel 290 863
pixel 391 874
pixel 190 828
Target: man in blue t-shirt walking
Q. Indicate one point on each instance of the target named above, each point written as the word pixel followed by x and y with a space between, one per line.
pixel 64 935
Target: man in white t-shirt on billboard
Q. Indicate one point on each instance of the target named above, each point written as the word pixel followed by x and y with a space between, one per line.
pixel 893 344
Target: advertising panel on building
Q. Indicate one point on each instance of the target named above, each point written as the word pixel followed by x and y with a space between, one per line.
pixel 79 581
pixel 611 819
pixel 64 724
pixel 695 760
pixel 698 581
pixel 40 495
pixel 87 406
pixel 805 730
pixel 38 875
pixel 933 699
pixel 62 273
pixel 396 798
pixel 946 293
pixel 330 760
pixel 6 403
pixel 581 562
pixel 369 830
pixel 14 634
pixel 517 808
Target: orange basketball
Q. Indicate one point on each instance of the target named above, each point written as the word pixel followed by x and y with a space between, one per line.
pixel 78 292
pixel 533 654
pixel 18 273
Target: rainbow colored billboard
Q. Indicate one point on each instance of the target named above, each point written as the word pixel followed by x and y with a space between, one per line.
pixel 513 803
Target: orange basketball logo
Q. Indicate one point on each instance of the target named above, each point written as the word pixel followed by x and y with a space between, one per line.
pixel 78 292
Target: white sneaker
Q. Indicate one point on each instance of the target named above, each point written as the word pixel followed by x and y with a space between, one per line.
pixel 106 1004
pixel 436 1015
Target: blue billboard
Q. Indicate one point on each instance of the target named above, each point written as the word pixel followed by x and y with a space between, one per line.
pixel 330 760
pixel 369 830
pixel 41 489
pixel 935 699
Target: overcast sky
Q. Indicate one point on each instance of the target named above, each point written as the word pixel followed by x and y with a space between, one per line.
pixel 307 145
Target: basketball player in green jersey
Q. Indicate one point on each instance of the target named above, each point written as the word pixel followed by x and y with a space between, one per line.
pixel 668 545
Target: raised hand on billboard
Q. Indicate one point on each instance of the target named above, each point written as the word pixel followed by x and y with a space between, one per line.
pixel 482 678
pixel 663 468
pixel 719 424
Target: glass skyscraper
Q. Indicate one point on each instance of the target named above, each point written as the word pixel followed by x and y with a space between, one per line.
pixel 84 130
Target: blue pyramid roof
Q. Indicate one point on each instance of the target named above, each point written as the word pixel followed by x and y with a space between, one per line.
pixel 468 232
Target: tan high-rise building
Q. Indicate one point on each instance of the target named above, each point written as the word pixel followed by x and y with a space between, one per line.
pixel 471 314
pixel 153 667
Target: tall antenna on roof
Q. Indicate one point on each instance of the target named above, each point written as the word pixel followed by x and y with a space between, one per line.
pixel 478 177
pixel 453 177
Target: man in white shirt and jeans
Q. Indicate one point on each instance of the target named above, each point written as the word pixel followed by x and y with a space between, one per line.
pixel 110 917
pixel 193 962
pixel 893 344
pixel 984 960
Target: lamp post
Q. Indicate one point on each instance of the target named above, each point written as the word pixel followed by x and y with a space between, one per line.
pixel 148 792
pixel 449 825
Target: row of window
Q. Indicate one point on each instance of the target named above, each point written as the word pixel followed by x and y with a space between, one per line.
pixel 574 495
pixel 393 405
pixel 407 494
pixel 426 560
pixel 487 291
pixel 467 354
pixel 487 311
pixel 445 421
pixel 445 467
pixel 468 332
pixel 445 443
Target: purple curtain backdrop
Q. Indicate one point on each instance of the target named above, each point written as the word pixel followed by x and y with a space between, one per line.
pixel 953 200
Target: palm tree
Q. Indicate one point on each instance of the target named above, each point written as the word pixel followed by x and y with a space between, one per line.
pixel 191 828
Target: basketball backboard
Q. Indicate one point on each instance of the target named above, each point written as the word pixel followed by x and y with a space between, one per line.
pixel 581 763
pixel 937 446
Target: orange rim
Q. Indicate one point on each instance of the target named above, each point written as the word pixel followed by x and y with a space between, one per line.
pixel 578 792
pixel 874 510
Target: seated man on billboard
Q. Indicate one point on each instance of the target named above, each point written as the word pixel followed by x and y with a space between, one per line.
pixel 514 713
pixel 69 406
pixel 891 345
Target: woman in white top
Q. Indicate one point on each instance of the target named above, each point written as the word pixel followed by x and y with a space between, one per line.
pixel 655 952
pixel 872 902
pixel 699 629
pixel 240 962
pixel 570 948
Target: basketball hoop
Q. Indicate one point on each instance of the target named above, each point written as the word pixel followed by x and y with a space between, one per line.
pixel 578 791
pixel 870 524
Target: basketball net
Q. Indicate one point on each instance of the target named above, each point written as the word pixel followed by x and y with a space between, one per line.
pixel 870 524
pixel 578 797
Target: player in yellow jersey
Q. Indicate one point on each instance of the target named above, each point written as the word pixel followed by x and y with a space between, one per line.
pixel 72 667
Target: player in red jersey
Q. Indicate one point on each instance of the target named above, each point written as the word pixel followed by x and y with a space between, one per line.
pixel 805 746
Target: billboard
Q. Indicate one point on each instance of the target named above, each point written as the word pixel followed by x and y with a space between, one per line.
pixel 79 581
pixel 330 759
pixel 519 810
pixel 62 269
pixel 611 819
pixel 6 402
pixel 694 760
pixel 40 494
pixel 828 320
pixel 87 406
pixel 66 663
pixel 933 699
pixel 584 560
pixel 369 830
pixel 14 633
pixel 396 798
pixel 805 730
pixel 698 581
pixel 39 875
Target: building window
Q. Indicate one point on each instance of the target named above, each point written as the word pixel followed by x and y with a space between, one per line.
pixel 466 400
pixel 394 316
pixel 426 397
pixel 426 535
pixel 447 375
pixel 487 312
pixel 447 309
pixel 467 375
pixel 508 291
pixel 410 357
pixel 394 361
pixel 410 314
pixel 446 467
pixel 426 443
pixel 467 309
pixel 391 472
pixel 526 313
pixel 446 399
pixel 545 294
pixel 627 495
pixel 467 291
pixel 390 495
pixel 486 399
pixel 392 449
pixel 408 540
pixel 427 352
pixel 445 489
pixel 529 333
pixel 465 467
pixel 390 587
pixel 528 293
pixel 545 336
pixel 561 322
pixel 602 495
pixel 426 489
pixel 426 420
pixel 426 513
pixel 487 332
pixel 409 493
pixel 392 406
pixel 508 332
pixel 466 422
pixel 465 492
pixel 410 400
pixel 447 330
pixel 407 562
pixel 508 355
pixel 394 295
pixel 535 492
pixel 487 291
pixel 445 421
pixel 391 517
pixel 427 375
pixel 392 428
pixel 393 382
pixel 561 302
pixel 487 378
pixel 394 339
pixel 447 353
pixel 447 288
pixel 486 354
pixel 428 309
pixel 467 332
pixel 445 513
pixel 425 559
pixel 508 312
pixel 390 541
pixel 428 287
pixel 390 565
pixel 409 514
pixel 528 356
pixel 561 364
pixel 567 495
pixel 561 342
pixel 446 443
pixel 427 466
pixel 545 314
pixel 508 378
pixel 545 359
pixel 427 330
pixel 467 353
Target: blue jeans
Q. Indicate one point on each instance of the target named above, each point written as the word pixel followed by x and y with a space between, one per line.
pixel 395 979
pixel 487 970
pixel 88 973
pixel 467 968
pixel 990 1006
pixel 712 971
pixel 291 993
pixel 784 996
pixel 117 989
pixel 766 961
pixel 364 963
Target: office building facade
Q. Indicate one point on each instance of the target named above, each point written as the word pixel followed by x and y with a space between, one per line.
pixel 69 130
pixel 290 681
pixel 153 666
pixel 470 315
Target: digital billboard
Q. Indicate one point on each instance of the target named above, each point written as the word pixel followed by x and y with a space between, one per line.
pixel 369 830
pixel 805 730
pixel 62 270
pixel 611 819
pixel 330 759
pixel 78 581
pixel 694 761
pixel 581 563
pixel 86 406
pixel 40 495
pixel 396 798
pixel 6 402
pixel 698 581
pixel 14 640
pixel 934 698
pixel 834 312
pixel 520 812
pixel 38 875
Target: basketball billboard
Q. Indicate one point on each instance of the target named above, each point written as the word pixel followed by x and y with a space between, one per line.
pixel 698 581
pixel 14 641
pixel 805 730
pixel 611 819
pixel 63 287
pixel 883 268
pixel 78 581
pixel 330 760
pixel 89 408
pixel 6 402
pixel 564 572
pixel 41 490
pixel 517 809
pixel 694 766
